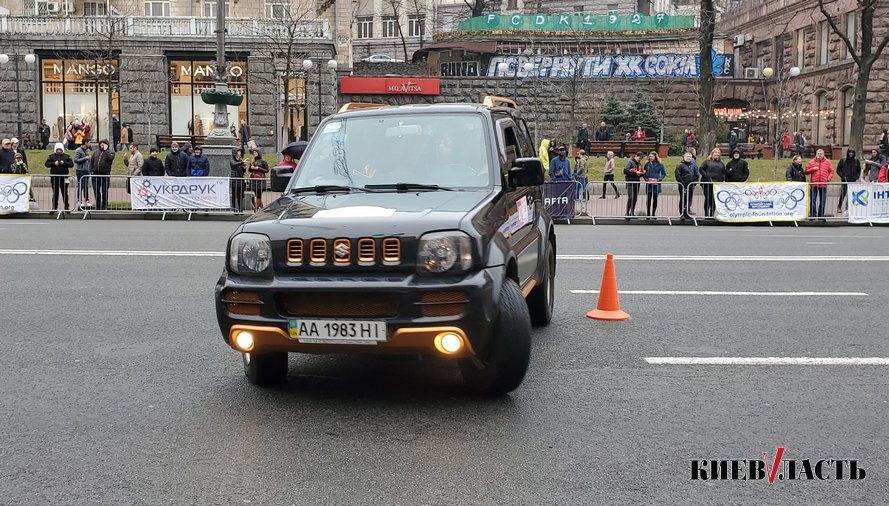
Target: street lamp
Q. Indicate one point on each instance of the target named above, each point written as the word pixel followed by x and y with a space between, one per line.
pixel 527 68
pixel 29 59
pixel 781 80
pixel 307 65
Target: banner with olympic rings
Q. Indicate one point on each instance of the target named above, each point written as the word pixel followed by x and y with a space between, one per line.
pixel 869 203
pixel 14 194
pixel 749 202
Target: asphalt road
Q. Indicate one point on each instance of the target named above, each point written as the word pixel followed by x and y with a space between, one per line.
pixel 117 387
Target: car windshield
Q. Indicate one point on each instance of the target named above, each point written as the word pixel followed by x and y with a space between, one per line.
pixel 445 150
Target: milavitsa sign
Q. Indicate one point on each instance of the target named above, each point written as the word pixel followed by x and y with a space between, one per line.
pixel 577 22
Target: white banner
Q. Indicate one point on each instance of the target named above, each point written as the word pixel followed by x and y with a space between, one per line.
pixel 748 202
pixel 15 194
pixel 179 192
pixel 869 203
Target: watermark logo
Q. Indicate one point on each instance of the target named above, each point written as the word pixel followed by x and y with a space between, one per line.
pixel 776 468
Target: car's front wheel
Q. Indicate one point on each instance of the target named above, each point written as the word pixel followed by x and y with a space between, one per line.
pixel 265 369
pixel 503 367
pixel 542 297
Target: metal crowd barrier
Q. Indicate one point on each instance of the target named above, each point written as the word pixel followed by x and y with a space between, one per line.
pixel 41 191
pixel 616 201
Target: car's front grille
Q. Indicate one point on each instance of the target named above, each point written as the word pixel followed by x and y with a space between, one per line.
pixel 340 305
pixel 341 252
pixel 443 303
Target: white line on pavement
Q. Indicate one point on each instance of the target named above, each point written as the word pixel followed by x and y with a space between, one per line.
pixel 64 252
pixel 709 292
pixel 820 242
pixel 802 236
pixel 724 258
pixel 767 360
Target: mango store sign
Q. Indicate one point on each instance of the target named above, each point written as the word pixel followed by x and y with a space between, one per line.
pixel 609 66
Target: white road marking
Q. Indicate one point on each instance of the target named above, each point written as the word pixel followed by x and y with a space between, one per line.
pixel 710 292
pixel 64 252
pixel 820 242
pixel 730 258
pixel 767 360
pixel 818 236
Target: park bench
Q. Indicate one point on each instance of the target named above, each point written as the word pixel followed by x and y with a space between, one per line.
pixel 631 147
pixel 603 147
pixel 163 141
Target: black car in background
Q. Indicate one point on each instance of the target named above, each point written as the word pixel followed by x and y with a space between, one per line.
pixel 417 229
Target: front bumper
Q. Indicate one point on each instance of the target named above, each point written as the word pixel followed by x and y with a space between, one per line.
pixel 410 325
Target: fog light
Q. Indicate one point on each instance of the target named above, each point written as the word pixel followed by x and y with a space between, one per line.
pixel 244 340
pixel 448 343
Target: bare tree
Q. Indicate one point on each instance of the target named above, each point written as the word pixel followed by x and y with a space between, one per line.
pixel 396 8
pixel 706 80
pixel 478 7
pixel 418 9
pixel 864 57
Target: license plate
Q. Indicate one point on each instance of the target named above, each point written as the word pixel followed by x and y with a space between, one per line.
pixel 336 331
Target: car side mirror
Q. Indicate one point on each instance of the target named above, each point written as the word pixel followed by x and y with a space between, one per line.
pixel 526 172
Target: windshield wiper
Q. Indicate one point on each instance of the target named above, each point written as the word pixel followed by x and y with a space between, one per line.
pixel 404 187
pixel 326 188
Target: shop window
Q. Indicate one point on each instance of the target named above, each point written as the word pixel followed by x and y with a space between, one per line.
pixel 77 90
pixel 189 115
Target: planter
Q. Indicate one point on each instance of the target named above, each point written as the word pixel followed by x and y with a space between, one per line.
pixel 838 153
pixel 662 150
pixel 227 97
pixel 768 152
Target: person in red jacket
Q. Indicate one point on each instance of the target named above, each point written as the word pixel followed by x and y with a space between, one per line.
pixel 639 134
pixel 820 172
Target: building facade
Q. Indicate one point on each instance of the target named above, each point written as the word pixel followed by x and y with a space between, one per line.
pixel 147 63
pixel 784 34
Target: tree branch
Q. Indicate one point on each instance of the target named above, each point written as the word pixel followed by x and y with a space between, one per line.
pixel 836 29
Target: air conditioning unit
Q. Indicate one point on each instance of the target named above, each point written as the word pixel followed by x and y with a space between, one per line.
pixel 739 40
pixel 53 7
pixel 751 73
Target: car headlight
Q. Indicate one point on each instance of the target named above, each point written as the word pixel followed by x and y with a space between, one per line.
pixel 444 252
pixel 250 254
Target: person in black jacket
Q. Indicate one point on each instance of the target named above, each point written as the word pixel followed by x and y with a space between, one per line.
pixel 258 170
pixel 795 171
pixel 237 166
pixel 176 163
pixel 583 137
pixel 602 132
pixel 712 171
pixel 100 165
pixel 685 175
pixel 849 169
pixel 884 143
pixel 59 164
pixel 736 170
pixel 632 174
pixel 153 166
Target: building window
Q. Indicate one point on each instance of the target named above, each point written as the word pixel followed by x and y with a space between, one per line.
pixel 208 8
pixel 579 9
pixel 824 43
pixel 95 9
pixel 851 31
pixel 189 115
pixel 848 97
pixel 366 27
pixel 78 90
pixel 762 53
pixel 778 46
pixel 821 119
pixel 35 8
pixel 276 9
pixel 415 25
pixel 801 48
pixel 390 26
pixel 157 8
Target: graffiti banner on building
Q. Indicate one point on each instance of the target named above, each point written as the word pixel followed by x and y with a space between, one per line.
pixel 667 65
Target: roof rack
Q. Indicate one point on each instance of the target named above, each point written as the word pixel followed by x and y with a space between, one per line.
pixel 360 105
pixel 494 101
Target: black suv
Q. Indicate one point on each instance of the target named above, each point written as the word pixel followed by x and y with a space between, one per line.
pixel 417 229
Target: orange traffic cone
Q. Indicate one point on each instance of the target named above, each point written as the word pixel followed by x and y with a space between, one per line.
pixel 608 307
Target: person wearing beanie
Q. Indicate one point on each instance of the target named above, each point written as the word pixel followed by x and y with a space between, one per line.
pixel 198 164
pixel 100 164
pixel 153 165
pixel 59 164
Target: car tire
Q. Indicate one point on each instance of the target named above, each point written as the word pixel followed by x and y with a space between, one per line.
pixel 265 369
pixel 509 350
pixel 542 297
